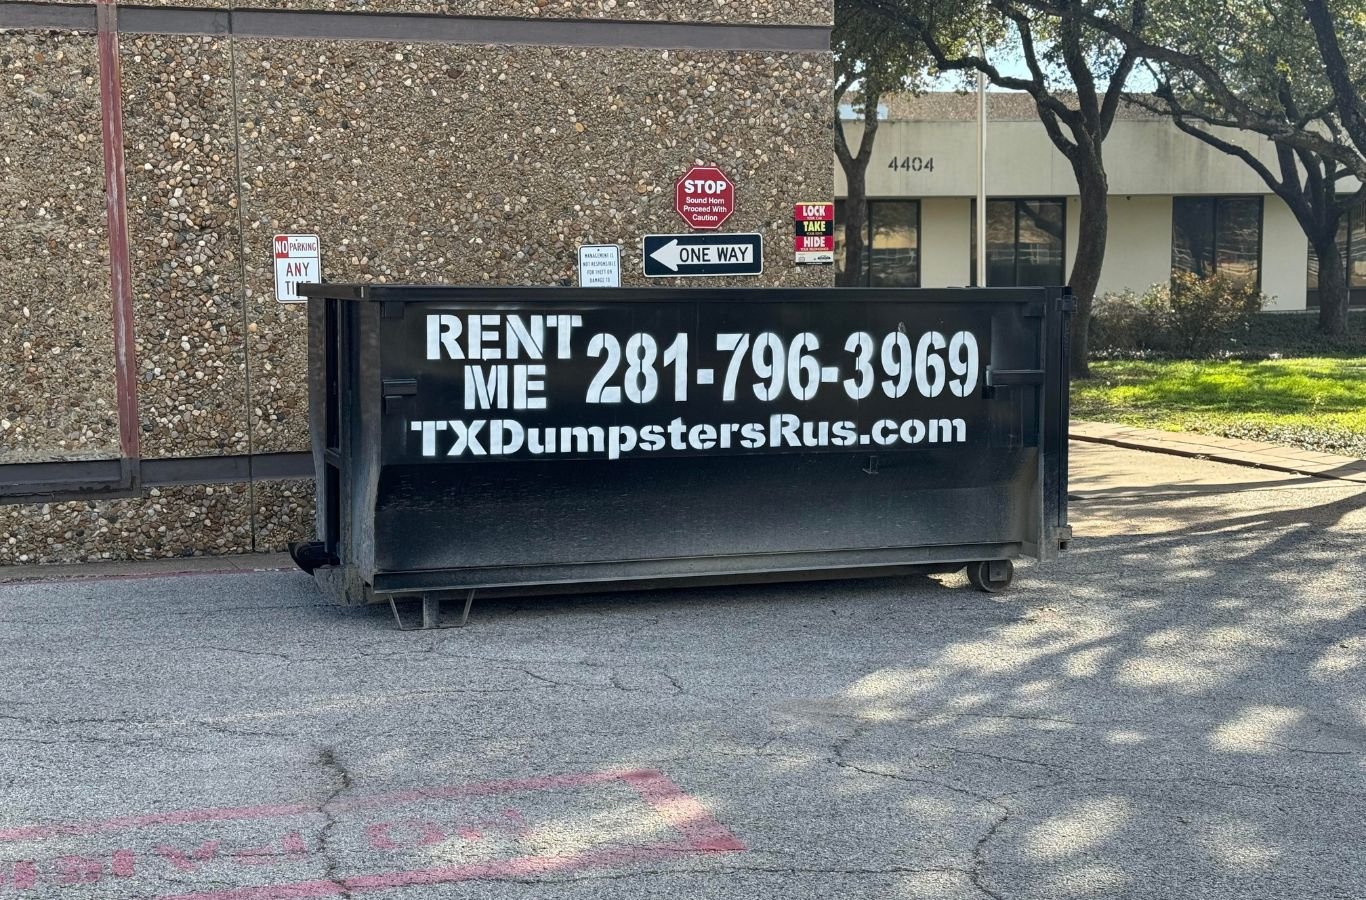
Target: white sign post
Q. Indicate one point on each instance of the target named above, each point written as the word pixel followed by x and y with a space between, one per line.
pixel 298 259
pixel 599 265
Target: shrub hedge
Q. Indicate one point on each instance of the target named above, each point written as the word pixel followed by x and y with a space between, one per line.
pixel 1208 318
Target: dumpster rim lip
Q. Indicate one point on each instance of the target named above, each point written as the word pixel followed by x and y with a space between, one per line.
pixel 359 292
pixel 398 582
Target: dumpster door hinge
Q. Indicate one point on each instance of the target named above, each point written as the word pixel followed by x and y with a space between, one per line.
pixel 393 389
pixel 1009 377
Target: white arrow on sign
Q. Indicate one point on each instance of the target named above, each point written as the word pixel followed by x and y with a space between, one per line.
pixel 671 255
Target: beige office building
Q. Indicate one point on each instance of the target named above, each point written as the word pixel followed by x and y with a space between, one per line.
pixel 1175 203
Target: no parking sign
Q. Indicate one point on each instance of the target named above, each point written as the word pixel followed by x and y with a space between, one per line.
pixel 298 260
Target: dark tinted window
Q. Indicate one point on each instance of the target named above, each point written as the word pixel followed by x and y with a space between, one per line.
pixel 1351 247
pixel 1038 247
pixel 1238 237
pixel 891 256
pixel 1217 234
pixel 1025 241
pixel 895 258
pixel 1193 235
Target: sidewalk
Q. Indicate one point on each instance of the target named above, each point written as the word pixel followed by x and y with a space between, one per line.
pixel 1227 450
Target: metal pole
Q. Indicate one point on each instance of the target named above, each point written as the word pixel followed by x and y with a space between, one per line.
pixel 982 178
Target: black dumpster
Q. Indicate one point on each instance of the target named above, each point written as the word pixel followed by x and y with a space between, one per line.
pixel 543 440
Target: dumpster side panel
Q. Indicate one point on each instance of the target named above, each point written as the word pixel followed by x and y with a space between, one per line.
pixel 364 434
pixel 322 358
pixel 947 464
pixel 542 514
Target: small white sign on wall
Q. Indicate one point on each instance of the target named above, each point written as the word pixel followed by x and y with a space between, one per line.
pixel 599 265
pixel 298 260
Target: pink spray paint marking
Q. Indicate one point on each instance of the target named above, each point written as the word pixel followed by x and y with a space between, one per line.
pixel 696 829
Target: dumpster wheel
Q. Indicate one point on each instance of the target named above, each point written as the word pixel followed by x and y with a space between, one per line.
pixel 311 555
pixel 991 575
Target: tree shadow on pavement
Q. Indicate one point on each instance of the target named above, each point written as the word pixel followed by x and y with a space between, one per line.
pixel 1179 708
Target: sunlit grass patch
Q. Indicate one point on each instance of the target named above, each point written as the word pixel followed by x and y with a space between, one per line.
pixel 1315 403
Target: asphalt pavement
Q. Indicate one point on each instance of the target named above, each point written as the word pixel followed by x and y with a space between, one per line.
pixel 1176 709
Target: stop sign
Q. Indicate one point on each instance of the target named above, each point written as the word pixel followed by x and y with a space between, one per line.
pixel 704 197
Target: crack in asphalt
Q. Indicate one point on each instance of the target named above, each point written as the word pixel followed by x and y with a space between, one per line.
pixel 1000 758
pixel 975 875
pixel 538 677
pixel 1294 749
pixel 117 722
pixel 237 650
pixel 1021 718
pixel 327 760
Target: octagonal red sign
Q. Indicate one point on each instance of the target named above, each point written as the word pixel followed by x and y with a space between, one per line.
pixel 704 197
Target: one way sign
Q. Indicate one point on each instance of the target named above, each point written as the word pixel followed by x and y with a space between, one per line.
pixel 685 255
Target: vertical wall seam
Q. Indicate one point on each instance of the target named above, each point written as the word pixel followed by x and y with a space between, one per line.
pixel 247 408
pixel 116 210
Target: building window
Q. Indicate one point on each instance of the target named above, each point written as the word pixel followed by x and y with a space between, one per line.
pixel 1351 246
pixel 1025 241
pixel 892 243
pixel 1220 235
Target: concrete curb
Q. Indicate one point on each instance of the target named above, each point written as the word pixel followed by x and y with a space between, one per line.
pixel 104 570
pixel 1253 454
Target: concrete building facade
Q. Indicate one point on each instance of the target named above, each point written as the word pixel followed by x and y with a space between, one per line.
pixel 154 395
pixel 1174 202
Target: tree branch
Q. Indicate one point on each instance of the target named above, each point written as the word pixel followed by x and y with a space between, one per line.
pixel 1231 149
pixel 1115 92
pixel 1290 172
pixel 1047 115
pixel 870 123
pixel 842 153
pixel 1349 106
pixel 1242 113
pixel 1075 61
pixel 924 33
pixel 843 88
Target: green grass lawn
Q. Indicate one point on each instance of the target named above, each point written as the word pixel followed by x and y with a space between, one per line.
pixel 1319 404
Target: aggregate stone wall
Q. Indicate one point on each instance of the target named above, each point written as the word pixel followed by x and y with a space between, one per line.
pixel 165 522
pixel 717 11
pixel 414 160
pixel 491 165
pixel 185 245
pixel 57 352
